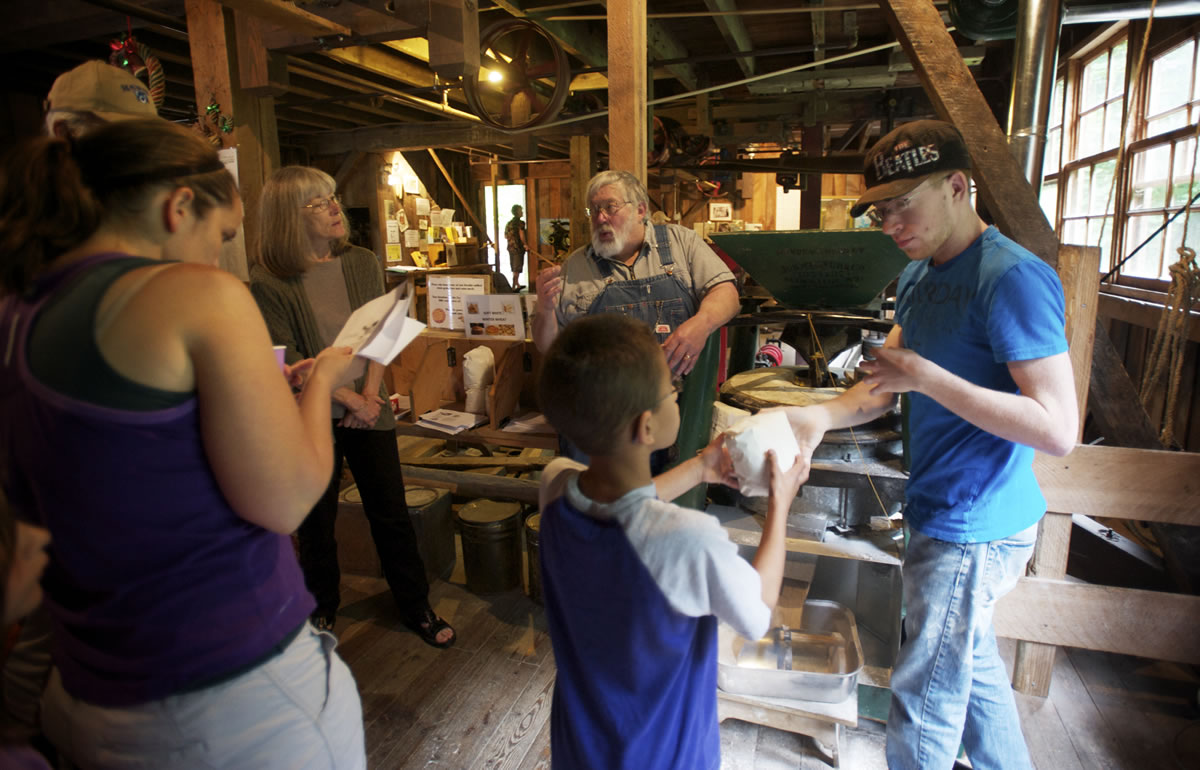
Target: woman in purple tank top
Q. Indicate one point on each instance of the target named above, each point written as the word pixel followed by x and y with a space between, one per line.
pixel 144 422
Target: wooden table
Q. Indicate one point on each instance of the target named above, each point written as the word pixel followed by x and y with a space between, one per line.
pixel 822 721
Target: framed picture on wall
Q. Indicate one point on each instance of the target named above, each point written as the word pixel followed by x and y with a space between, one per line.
pixel 720 211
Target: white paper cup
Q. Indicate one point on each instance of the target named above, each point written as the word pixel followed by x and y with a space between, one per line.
pixel 280 351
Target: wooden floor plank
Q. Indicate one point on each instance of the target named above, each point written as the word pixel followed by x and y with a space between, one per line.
pixel 1050 746
pixel 517 733
pixel 485 702
pixel 1127 700
pixel 1096 742
pixel 458 722
pixel 739 744
pixel 538 756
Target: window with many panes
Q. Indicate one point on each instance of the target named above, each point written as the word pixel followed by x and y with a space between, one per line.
pixel 1089 155
pixel 1163 165
pixel 1083 139
pixel 1052 160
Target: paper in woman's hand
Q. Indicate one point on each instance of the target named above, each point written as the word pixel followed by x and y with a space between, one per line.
pixel 380 329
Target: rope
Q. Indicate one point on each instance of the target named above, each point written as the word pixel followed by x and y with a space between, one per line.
pixel 1170 339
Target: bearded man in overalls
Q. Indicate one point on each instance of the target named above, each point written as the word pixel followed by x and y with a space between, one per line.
pixel 664 275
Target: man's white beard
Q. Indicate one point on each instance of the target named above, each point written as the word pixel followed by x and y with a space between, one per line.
pixel 613 248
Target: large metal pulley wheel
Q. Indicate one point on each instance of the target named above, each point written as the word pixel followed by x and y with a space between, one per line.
pixel 524 76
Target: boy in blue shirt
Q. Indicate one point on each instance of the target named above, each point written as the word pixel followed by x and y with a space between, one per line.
pixel 634 585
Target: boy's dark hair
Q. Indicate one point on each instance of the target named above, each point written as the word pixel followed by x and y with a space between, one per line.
pixel 601 372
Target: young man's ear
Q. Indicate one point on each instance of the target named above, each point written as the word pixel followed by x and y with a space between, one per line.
pixel 959 184
pixel 177 208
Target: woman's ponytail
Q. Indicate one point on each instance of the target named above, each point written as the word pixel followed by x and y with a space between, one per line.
pixel 45 209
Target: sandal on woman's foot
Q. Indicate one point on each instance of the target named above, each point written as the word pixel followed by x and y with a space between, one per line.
pixel 427 625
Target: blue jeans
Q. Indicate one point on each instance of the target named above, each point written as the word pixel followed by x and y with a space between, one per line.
pixel 949 683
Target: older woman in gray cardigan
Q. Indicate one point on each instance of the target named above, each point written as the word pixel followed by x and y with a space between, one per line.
pixel 307 281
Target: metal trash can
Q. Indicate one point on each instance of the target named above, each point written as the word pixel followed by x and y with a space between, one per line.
pixel 533 574
pixel 491 545
pixel 433 521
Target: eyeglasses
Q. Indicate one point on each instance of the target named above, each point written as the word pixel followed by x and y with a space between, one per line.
pixel 898 206
pixel 324 203
pixel 676 389
pixel 611 208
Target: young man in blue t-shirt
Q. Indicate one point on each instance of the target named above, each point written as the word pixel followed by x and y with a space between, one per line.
pixel 979 346
pixel 633 584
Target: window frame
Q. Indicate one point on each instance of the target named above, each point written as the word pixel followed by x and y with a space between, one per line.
pixel 1070 73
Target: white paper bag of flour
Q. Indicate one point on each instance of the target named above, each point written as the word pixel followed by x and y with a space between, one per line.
pixel 748 442
pixel 479 369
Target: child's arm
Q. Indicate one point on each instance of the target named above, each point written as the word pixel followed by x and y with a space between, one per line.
pixel 712 465
pixel 771 554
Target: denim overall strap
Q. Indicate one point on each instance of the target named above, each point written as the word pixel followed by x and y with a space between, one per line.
pixel 662 301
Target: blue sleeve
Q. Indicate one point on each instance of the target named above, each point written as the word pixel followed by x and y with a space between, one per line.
pixel 1026 313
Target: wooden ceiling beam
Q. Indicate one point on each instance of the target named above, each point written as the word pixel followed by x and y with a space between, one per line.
pixel 57 22
pixel 293 30
pixel 313 119
pixel 415 103
pixel 588 48
pixel 418 136
pixel 359 108
pixel 663 45
pixel 342 82
pixel 734 31
pixel 285 15
pixel 384 63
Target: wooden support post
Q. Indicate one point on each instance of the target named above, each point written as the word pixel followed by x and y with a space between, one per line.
pixel 956 97
pixel 627 87
pixel 583 162
pixel 496 215
pixel 213 36
pixel 210 60
pixel 1079 271
pixel 257 132
pixel 260 72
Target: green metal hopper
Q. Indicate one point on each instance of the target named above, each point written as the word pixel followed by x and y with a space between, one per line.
pixel 816 269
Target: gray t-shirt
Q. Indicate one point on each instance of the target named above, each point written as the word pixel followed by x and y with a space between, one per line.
pixel 695 264
pixel 325 286
pixel 687 553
